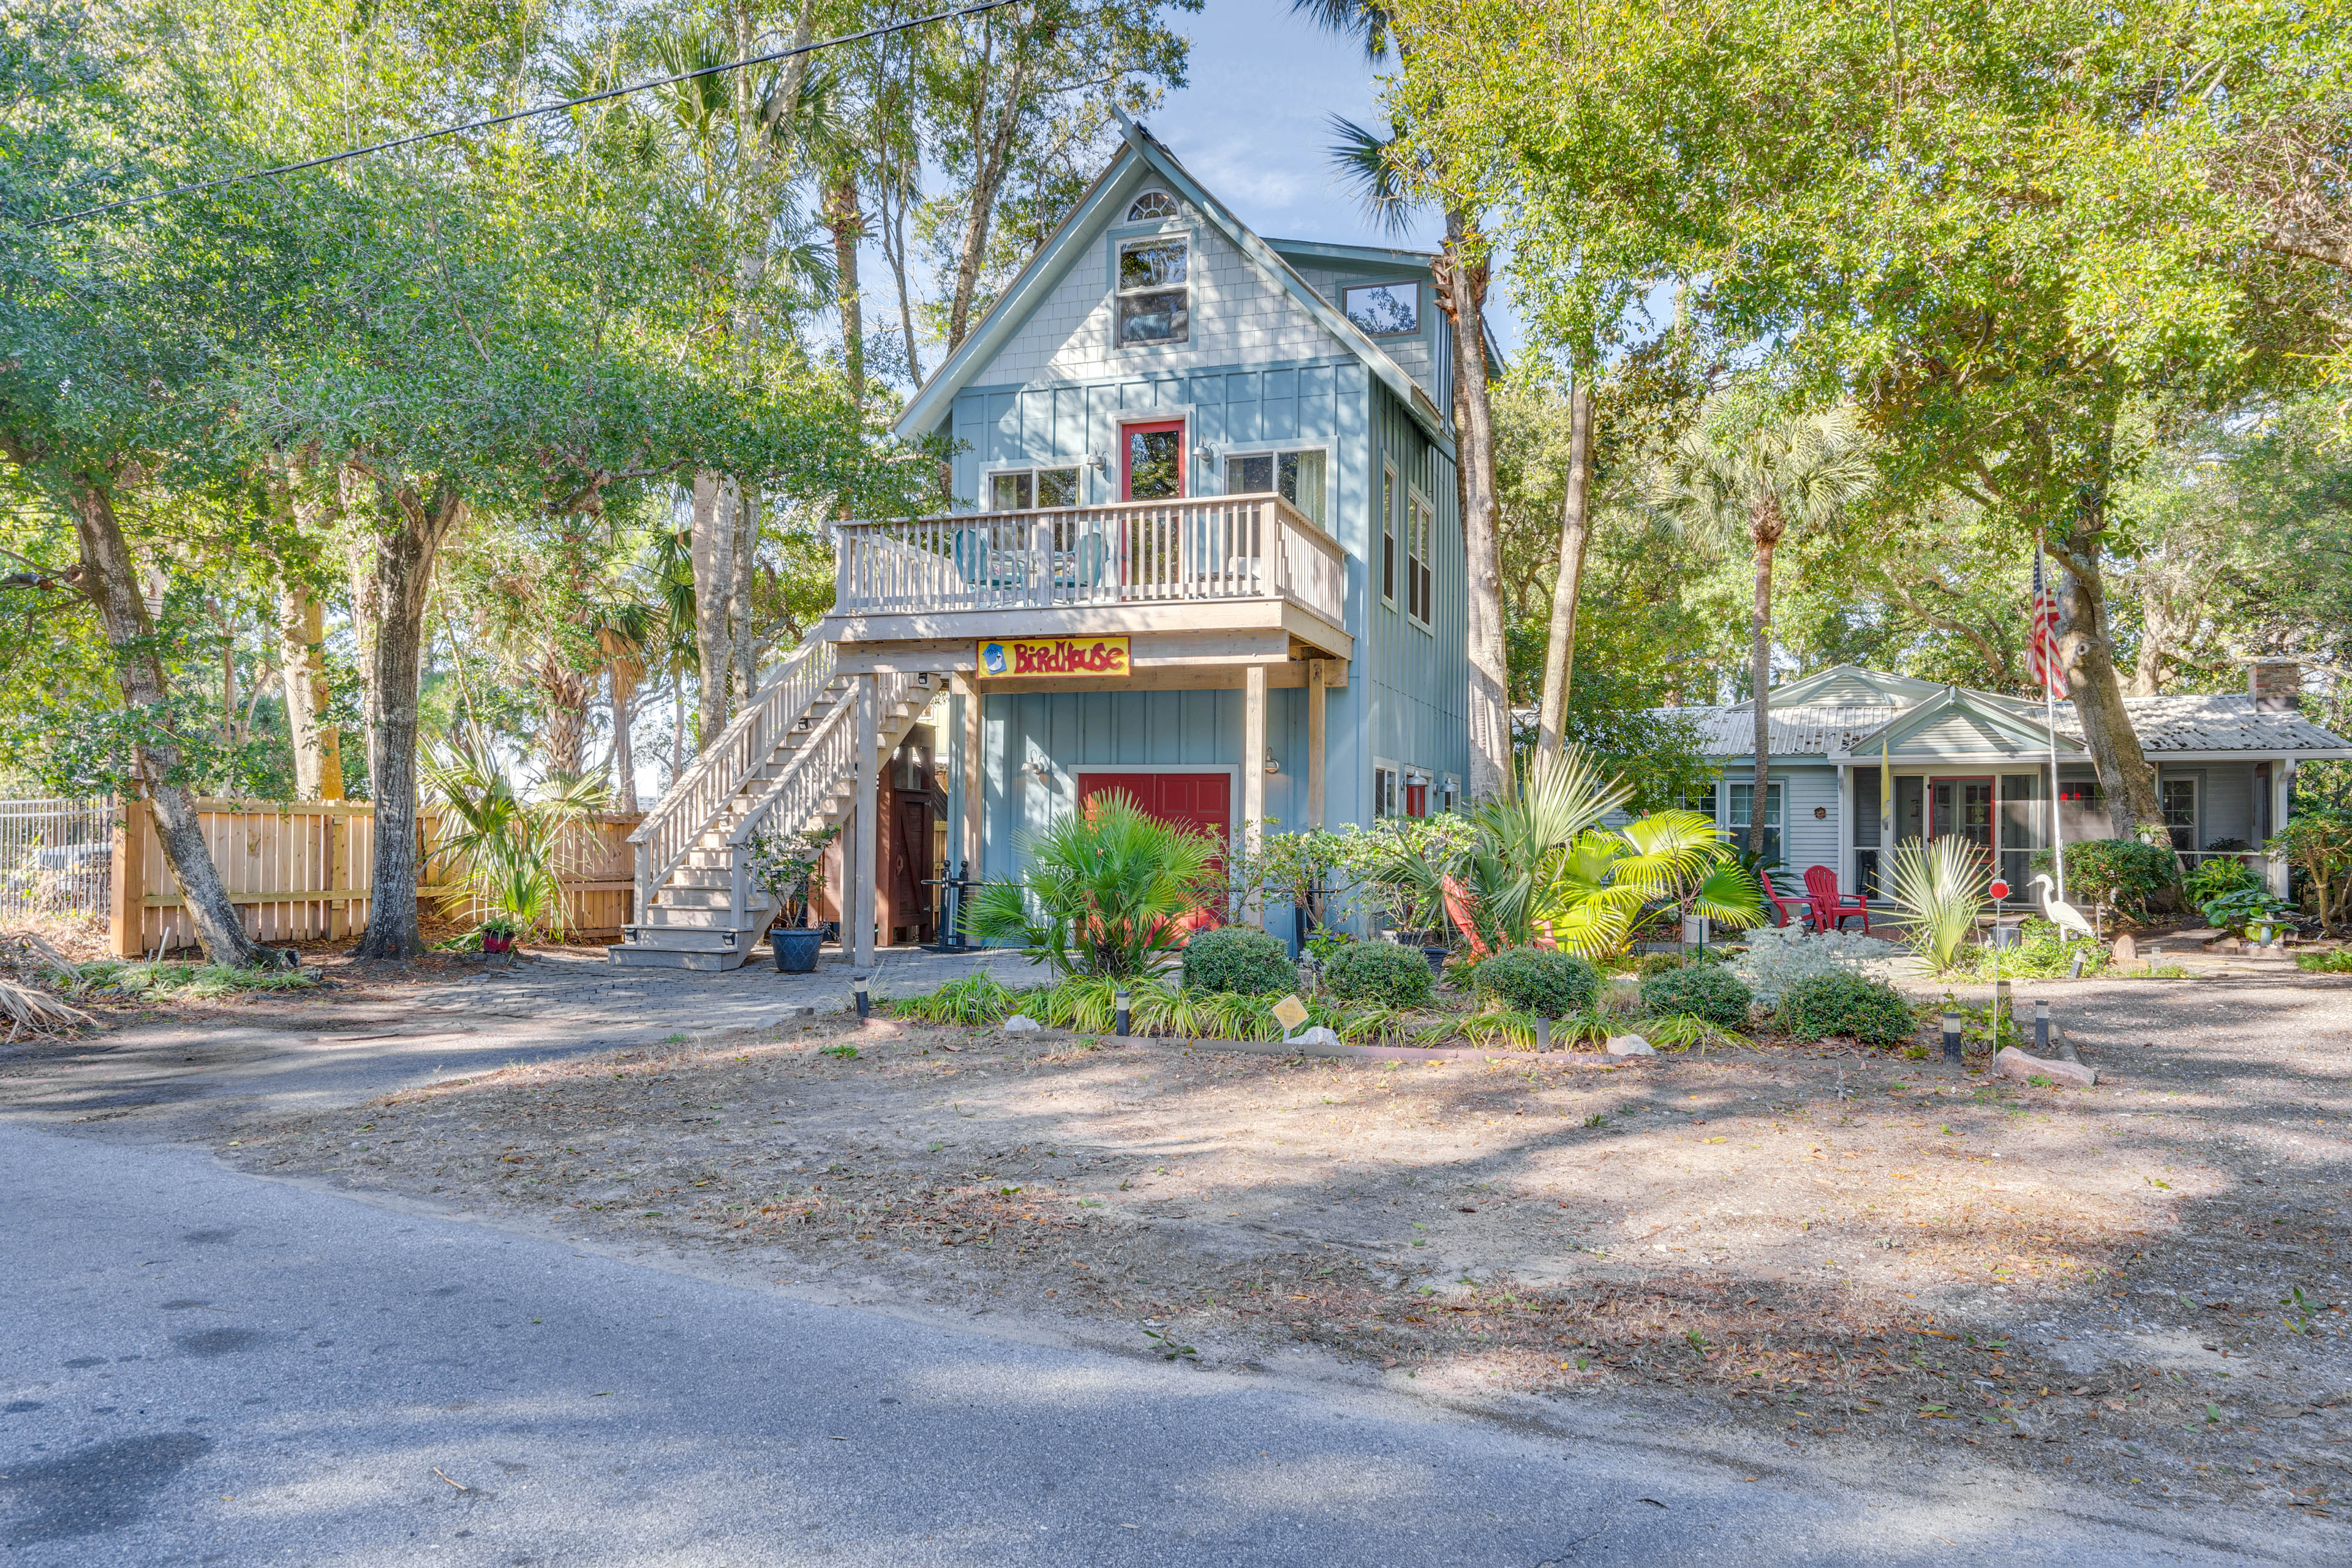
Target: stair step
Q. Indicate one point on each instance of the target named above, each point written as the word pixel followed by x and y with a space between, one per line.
pixel 627 955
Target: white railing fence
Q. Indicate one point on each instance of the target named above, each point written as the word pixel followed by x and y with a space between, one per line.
pixel 1210 547
pixel 689 806
pixel 56 857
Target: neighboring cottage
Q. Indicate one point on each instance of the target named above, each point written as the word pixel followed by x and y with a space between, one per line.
pixel 1862 759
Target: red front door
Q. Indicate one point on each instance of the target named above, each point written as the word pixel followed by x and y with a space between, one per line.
pixel 1152 461
pixel 1197 800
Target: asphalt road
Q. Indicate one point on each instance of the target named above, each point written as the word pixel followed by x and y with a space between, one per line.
pixel 200 1366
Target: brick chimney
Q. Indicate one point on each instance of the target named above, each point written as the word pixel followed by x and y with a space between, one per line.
pixel 2276 684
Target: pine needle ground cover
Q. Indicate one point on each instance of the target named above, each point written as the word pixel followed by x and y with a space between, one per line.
pixel 2133 1289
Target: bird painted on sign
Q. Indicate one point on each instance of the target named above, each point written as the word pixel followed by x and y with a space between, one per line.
pixel 2061 914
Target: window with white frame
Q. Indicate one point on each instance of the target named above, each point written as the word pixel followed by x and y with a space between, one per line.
pixel 1449 793
pixel 1388 535
pixel 1154 292
pixel 2179 798
pixel 1383 310
pixel 1152 204
pixel 1388 789
pixel 1296 476
pixel 1420 537
pixel 1741 817
pixel 1022 489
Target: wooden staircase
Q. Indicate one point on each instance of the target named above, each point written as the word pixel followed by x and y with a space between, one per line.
pixel 787 763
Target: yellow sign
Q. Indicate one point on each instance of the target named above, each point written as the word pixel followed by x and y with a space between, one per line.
pixel 1291 1011
pixel 1067 658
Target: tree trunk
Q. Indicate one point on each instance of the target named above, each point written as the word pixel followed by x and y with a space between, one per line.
pixel 563 706
pixel 409 531
pixel 367 614
pixel 712 547
pixel 676 723
pixel 1759 681
pixel 110 578
pixel 318 745
pixel 2088 640
pixel 992 148
pixel 1575 533
pixel 743 648
pixel 625 756
pixel 848 226
pixel 1464 297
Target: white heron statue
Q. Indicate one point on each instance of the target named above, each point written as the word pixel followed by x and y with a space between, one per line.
pixel 2060 913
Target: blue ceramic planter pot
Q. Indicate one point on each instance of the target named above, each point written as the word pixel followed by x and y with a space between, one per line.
pixel 796 949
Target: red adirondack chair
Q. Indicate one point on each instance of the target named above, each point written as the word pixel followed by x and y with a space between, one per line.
pixel 1833 909
pixel 1786 911
pixel 1463 905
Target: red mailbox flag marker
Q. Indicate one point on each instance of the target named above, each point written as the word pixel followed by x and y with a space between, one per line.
pixel 1999 889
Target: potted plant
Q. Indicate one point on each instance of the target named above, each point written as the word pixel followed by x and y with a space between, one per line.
pixel 498 937
pixel 785 866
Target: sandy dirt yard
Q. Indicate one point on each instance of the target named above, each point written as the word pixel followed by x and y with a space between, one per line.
pixel 2136 1288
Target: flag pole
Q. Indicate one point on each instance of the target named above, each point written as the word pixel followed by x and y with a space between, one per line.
pixel 2050 722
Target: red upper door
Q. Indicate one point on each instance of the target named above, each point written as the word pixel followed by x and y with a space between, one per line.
pixel 1152 461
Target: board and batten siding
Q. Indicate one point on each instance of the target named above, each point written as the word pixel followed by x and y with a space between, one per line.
pixel 1415 681
pixel 1425 355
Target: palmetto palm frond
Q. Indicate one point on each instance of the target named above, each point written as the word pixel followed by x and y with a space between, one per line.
pixel 1802 467
pixel 1939 887
pixel 1366 21
pixel 1367 163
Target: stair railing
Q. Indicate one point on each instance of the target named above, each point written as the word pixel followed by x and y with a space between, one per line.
pixel 689 808
pixel 818 765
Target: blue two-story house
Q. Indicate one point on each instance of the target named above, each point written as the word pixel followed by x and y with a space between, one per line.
pixel 1207 547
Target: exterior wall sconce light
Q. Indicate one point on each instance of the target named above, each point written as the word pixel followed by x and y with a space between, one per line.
pixel 1273 763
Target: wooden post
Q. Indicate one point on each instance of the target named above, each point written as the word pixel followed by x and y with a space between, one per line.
pixel 126 912
pixel 975 790
pixel 858 860
pixel 1315 743
pixel 1253 772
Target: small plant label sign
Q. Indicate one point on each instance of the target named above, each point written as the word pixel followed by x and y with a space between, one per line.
pixel 1291 1011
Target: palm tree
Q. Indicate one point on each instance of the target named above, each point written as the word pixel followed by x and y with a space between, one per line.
pixel 623 627
pixel 1761 477
pixel 1462 276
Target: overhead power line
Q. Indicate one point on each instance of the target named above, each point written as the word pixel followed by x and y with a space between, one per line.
pixel 808 48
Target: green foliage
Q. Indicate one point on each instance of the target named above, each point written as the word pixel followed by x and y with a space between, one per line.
pixel 2318 844
pixel 1706 991
pixel 2042 954
pixel 2117 873
pixel 501 858
pixel 2222 875
pixel 1870 1011
pixel 1939 887
pixel 972 999
pixel 785 865
pixel 2338 962
pixel 1108 887
pixel 1533 981
pixel 1377 971
pixel 166 981
pixel 1240 959
pixel 2244 910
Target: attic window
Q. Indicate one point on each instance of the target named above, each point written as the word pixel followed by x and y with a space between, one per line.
pixel 1384 309
pixel 1154 300
pixel 1151 204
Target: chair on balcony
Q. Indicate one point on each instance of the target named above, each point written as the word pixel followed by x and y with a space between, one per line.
pixel 1833 909
pixel 1089 563
pixel 976 560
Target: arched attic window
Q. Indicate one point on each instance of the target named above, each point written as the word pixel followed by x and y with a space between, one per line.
pixel 1151 204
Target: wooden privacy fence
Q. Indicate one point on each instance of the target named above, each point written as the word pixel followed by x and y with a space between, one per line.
pixel 300 871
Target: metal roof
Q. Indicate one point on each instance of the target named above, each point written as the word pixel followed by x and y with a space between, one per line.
pixel 2166 726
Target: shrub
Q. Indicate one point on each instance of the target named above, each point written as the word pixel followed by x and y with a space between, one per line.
pixel 1938 887
pixel 1239 959
pixel 1534 981
pixel 1706 991
pixel 1871 1011
pixel 2218 878
pixel 2243 909
pixel 2336 962
pixel 1377 971
pixel 2121 873
pixel 2042 954
pixel 2318 843
pixel 1780 956
pixel 1104 892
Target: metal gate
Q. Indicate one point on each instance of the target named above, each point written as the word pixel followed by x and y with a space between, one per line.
pixel 56 857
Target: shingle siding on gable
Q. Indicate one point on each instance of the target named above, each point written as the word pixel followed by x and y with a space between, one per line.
pixel 1238 314
pixel 1419 356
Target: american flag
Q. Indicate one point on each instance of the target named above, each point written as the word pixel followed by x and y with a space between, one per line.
pixel 2042 656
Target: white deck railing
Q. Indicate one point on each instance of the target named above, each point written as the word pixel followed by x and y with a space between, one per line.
pixel 1132 552
pixel 689 806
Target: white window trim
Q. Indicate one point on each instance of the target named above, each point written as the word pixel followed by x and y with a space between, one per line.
pixel 1165 228
pixel 1427 622
pixel 1421 298
pixel 1386 546
pixel 1452 792
pixel 1176 217
pixel 1385 765
pixel 1221 455
pixel 988 477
